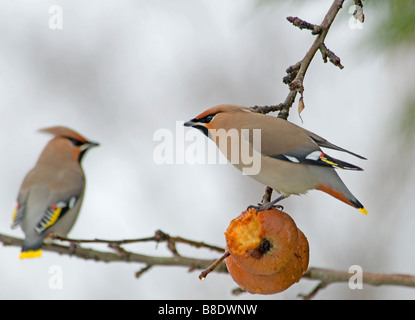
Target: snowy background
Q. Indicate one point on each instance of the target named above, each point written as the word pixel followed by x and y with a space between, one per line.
pixel 120 70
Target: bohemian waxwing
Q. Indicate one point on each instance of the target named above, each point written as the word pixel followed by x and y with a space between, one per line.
pixel 291 161
pixel 51 194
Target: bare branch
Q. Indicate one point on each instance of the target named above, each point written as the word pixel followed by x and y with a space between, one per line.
pixel 373 279
pixel 325 276
pixel 119 256
pixel 213 266
pixel 143 270
pixel 291 73
pixel 321 285
pixel 296 73
pixel 326 53
pixel 304 25
pixel 267 109
pixel 159 236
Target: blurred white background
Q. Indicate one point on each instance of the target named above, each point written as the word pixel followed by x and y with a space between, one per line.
pixel 120 70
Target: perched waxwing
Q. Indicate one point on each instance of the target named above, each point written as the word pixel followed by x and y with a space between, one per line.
pixel 51 194
pixel 289 158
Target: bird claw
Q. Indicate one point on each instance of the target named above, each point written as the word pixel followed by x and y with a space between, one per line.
pixel 265 207
pixel 254 207
pixel 269 205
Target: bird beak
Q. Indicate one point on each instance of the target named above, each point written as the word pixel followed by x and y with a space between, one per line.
pixel 89 144
pixel 190 123
pixel 195 124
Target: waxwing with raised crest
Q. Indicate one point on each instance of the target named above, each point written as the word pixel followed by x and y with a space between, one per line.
pixel 51 194
pixel 291 159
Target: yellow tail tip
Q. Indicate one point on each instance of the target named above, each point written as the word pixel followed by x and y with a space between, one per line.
pixel 363 210
pixel 30 254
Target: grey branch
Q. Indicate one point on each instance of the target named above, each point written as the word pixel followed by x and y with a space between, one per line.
pixel 324 276
pixel 120 254
pixel 296 73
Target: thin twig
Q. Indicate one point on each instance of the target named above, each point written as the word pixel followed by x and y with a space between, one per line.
pixel 326 53
pixel 213 266
pixel 159 236
pixel 305 62
pixel 296 73
pixel 267 109
pixel 291 73
pixel 304 25
pixel 143 270
pixel 196 244
pixel 321 285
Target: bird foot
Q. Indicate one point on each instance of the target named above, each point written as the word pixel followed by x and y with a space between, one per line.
pixel 267 206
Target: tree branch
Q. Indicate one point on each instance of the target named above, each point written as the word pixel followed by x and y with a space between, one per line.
pixel 327 276
pixel 296 73
pixel 121 255
pixel 324 276
pixel 159 236
pixel 373 279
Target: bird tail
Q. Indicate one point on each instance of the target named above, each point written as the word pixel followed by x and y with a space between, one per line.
pixel 347 198
pixel 30 254
pixel 34 250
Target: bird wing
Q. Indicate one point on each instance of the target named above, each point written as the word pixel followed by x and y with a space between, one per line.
pixel 286 141
pixel 45 203
pixel 316 157
pixel 55 212
pixel 325 144
pixel 17 215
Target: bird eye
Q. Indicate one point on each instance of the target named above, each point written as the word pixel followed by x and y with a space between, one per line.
pixel 75 142
pixel 209 118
